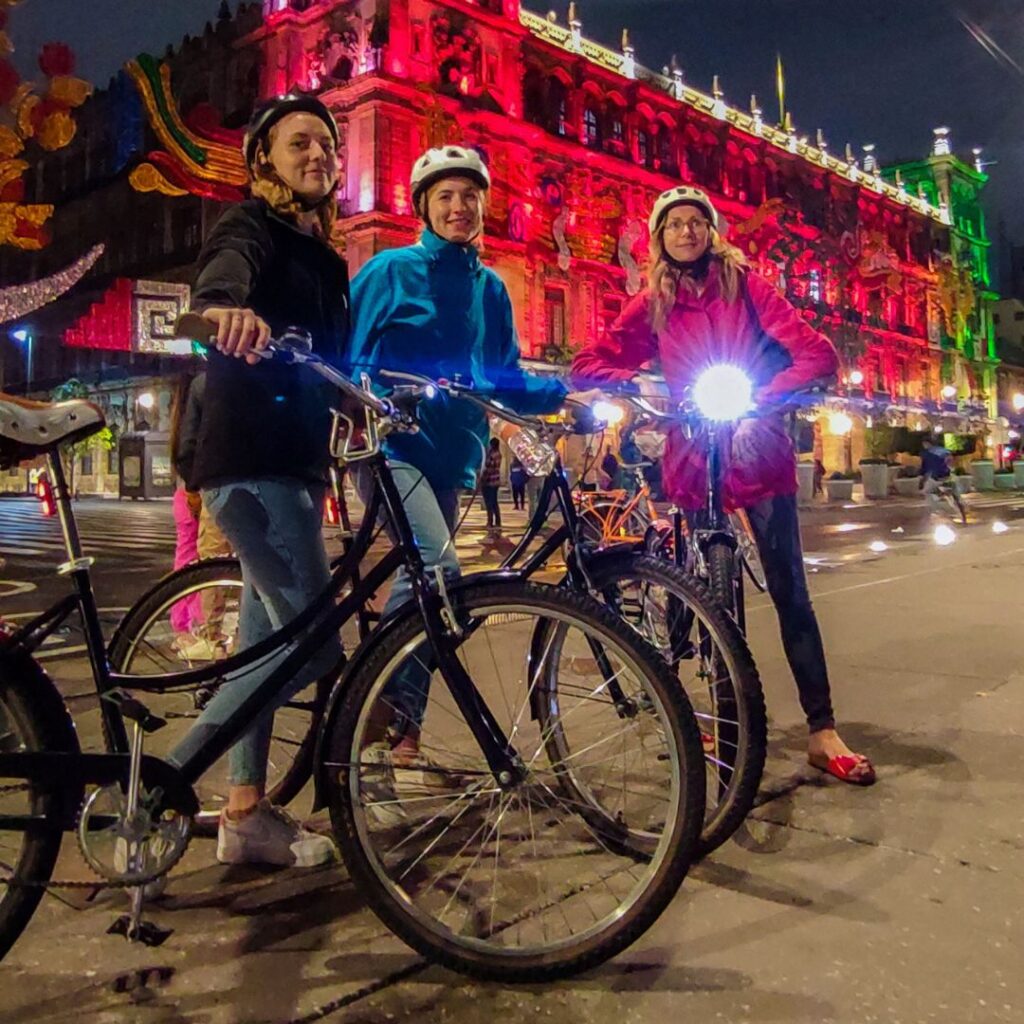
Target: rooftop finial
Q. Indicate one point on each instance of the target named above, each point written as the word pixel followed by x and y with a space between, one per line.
pixel 870 160
pixel 628 54
pixel 941 146
pixel 677 77
pixel 575 28
pixel 718 108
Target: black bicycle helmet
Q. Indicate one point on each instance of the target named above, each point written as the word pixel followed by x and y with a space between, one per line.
pixel 267 114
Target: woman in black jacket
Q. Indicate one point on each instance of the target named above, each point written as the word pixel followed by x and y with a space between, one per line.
pixel 261 456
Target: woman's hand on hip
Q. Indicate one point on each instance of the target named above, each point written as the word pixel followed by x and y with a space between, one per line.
pixel 240 332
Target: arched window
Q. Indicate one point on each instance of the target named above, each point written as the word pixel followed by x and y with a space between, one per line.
pixel 557 107
pixel 591 126
pixel 644 152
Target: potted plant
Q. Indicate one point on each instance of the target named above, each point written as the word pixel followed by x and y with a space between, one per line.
pixel 839 486
pixel 983 474
pixel 874 468
pixel 908 483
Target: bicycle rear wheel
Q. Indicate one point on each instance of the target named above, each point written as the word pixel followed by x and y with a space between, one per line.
pixel 516 881
pixel 27 856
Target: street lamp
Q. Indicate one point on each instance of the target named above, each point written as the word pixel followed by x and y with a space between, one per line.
pixel 146 400
pixel 949 392
pixel 856 378
pixel 1018 402
pixel 24 336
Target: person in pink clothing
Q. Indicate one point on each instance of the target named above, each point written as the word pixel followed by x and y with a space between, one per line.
pixel 188 614
pixel 703 306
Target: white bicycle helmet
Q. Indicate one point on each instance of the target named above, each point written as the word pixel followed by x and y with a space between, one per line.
pixel 678 196
pixel 447 162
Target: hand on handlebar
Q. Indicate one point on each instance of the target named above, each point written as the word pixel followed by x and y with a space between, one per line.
pixel 240 332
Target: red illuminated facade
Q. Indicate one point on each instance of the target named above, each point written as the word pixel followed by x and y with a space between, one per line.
pixel 580 139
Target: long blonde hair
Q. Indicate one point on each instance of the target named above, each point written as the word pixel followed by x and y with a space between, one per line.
pixel 266 184
pixel 666 279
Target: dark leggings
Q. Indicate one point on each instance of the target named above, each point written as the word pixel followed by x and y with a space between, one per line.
pixel 776 528
pixel 491 504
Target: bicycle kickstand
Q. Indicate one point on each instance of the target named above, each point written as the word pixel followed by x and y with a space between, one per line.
pixel 131 925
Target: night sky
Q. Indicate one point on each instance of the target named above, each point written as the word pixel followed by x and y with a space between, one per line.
pixel 882 71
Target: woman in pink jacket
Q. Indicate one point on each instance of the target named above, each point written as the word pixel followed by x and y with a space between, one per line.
pixel 703 306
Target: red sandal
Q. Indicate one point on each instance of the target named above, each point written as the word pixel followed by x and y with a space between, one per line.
pixel 855 769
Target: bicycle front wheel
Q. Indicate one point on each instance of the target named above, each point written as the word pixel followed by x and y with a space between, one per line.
pixel 710 659
pixel 516 881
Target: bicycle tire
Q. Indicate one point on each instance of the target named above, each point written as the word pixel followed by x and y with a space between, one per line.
pixel 728 807
pixel 721 564
pixel 459 951
pixel 148 613
pixel 42 725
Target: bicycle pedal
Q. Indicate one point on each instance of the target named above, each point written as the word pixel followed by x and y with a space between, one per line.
pixel 134 710
pixel 146 932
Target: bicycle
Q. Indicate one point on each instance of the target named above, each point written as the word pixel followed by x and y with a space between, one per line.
pixel 656 598
pixel 500 871
pixel 615 516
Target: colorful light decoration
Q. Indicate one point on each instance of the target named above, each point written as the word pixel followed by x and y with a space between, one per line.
pixel 839 424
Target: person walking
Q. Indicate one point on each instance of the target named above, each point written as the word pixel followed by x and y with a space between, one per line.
pixel 517 477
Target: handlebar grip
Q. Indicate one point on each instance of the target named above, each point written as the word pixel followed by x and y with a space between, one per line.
pixel 197 327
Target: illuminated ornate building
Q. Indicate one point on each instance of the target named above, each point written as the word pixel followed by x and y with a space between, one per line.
pixel 580 139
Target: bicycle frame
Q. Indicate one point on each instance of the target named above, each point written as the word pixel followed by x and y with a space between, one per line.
pixel 322 619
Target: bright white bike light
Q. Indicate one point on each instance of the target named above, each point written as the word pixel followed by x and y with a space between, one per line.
pixel 723 393
pixel 608 412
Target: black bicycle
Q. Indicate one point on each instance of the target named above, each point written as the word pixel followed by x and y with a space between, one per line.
pixel 666 606
pixel 492 856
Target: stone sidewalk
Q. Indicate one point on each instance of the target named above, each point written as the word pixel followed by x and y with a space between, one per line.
pixel 898 904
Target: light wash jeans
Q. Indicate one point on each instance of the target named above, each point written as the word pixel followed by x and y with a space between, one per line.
pixel 274 525
pixel 432 515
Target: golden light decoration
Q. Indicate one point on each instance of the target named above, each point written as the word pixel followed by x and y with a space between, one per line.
pixel 56 131
pixel 146 178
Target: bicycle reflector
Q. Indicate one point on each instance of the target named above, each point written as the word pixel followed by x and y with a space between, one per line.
pixel 332 516
pixel 44 491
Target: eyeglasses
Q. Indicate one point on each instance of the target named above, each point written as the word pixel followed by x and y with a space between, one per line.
pixel 695 226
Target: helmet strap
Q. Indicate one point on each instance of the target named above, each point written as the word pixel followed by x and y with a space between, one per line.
pixel 697 269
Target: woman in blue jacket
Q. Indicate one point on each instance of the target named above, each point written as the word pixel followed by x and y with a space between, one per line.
pixel 434 308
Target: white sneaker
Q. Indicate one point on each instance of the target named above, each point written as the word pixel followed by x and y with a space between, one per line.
pixel 269 835
pixel 377 787
pixel 190 647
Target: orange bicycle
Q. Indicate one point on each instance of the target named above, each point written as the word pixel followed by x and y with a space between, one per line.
pixel 616 516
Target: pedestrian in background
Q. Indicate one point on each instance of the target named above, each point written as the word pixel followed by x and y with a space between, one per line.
pixel 490 481
pixel 517 477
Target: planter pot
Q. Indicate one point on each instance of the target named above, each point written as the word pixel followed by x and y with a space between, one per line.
pixel 1005 482
pixel 908 487
pixel 875 477
pixel 839 490
pixel 1018 474
pixel 983 474
pixel 805 479
pixel 894 473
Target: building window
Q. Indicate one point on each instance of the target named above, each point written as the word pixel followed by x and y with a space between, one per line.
pixel 618 133
pixel 643 148
pixel 591 127
pixel 1018 316
pixel 814 286
pixel 554 318
pixel 86 469
pixel 112 466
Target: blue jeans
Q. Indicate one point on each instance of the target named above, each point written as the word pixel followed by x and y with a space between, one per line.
pixel 274 526
pixel 432 515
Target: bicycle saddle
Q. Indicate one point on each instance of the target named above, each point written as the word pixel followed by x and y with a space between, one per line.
pixel 30 428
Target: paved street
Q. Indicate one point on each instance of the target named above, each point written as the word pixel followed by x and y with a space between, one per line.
pixel 898 904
